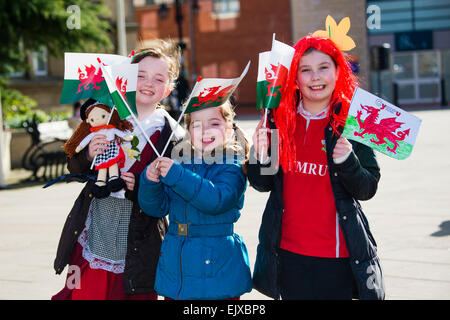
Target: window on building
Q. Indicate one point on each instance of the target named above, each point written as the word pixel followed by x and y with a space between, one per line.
pixel 226 8
pixel 40 62
pixel 17 74
pixel 143 3
pixel 411 15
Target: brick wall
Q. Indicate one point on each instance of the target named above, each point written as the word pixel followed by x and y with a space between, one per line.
pixel 309 16
pixel 224 46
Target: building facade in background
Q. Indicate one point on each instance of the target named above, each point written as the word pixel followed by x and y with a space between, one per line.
pixel 44 81
pixel 309 16
pixel 220 36
pixel 416 34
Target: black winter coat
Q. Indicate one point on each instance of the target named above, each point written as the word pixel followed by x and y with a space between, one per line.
pixel 145 233
pixel 354 179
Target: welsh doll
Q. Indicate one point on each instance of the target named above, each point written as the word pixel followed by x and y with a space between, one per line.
pixel 97 119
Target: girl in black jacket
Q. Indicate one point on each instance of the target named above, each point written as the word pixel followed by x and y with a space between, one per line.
pixel 111 246
pixel 314 240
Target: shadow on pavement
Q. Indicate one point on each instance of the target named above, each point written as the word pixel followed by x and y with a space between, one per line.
pixel 445 230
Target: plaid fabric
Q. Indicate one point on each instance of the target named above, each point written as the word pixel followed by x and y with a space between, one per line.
pixel 109 154
pixel 107 229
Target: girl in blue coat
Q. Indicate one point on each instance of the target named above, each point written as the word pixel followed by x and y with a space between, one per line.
pixel 201 257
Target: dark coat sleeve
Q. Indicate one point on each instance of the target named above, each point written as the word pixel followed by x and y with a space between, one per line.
pixel 359 173
pixel 261 182
pixel 80 163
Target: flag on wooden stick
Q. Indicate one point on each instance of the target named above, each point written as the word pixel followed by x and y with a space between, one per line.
pixel 273 69
pixel 122 81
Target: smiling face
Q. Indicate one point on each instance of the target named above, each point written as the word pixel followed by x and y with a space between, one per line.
pixel 97 117
pixel 209 129
pixel 316 79
pixel 153 84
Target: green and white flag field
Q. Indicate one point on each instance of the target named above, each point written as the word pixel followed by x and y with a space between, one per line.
pixel 212 92
pixel 83 76
pixel 122 81
pixel 381 125
pixel 273 69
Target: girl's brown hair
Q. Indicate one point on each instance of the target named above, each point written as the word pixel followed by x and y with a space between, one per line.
pixel 84 129
pixel 169 51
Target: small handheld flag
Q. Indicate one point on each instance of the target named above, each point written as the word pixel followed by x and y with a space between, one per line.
pixel 121 101
pixel 124 83
pixel 83 77
pixel 212 92
pixel 273 69
pixel 209 93
pixel 380 125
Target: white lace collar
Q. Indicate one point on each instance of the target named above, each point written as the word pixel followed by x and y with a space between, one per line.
pixel 308 115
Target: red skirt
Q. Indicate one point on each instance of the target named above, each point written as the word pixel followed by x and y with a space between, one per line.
pixel 120 160
pixel 95 284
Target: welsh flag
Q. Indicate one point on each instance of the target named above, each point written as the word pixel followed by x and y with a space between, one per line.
pixel 212 92
pixel 273 69
pixel 380 125
pixel 83 76
pixel 121 81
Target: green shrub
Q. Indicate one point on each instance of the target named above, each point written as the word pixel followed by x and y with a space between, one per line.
pixel 18 109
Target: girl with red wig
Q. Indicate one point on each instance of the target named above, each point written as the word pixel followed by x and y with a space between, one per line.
pixel 314 240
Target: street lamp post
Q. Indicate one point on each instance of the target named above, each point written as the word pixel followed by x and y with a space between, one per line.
pixel 121 38
pixel 2 148
pixel 183 85
pixel 193 8
pixel 179 21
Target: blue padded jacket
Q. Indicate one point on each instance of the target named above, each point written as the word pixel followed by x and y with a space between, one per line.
pixel 201 257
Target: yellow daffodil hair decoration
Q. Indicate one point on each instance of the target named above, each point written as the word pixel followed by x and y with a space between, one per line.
pixel 337 33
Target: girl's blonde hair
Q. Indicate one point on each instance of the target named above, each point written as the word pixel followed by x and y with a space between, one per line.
pixel 238 144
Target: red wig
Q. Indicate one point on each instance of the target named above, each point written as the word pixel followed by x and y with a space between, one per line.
pixel 285 114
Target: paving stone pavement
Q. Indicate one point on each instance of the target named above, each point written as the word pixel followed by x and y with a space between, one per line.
pixel 409 217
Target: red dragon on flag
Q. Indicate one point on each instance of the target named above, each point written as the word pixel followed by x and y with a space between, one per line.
pixel 91 76
pixel 213 95
pixel 122 88
pixel 385 129
pixel 276 76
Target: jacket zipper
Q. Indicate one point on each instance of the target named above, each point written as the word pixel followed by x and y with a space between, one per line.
pixel 181 270
pixel 337 235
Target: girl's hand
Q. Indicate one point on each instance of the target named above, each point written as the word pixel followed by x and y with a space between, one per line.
pixel 98 145
pixel 152 173
pixel 164 165
pixel 261 140
pixel 342 148
pixel 128 177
